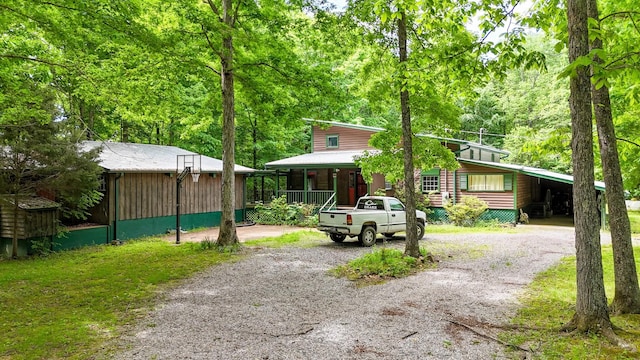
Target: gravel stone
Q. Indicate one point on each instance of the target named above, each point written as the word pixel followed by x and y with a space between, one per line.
pixel 282 303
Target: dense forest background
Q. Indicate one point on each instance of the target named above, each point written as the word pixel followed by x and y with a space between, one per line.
pixel 146 71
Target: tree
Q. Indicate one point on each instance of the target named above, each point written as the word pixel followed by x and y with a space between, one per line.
pixel 591 304
pixel 627 292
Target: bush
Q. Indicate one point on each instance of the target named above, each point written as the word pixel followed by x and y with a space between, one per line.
pixel 467 211
pixel 278 212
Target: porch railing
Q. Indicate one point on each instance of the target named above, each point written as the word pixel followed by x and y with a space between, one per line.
pixel 317 197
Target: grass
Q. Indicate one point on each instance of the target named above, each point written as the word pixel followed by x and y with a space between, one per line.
pixel 302 238
pixel 70 304
pixel 634 218
pixel 380 264
pixel 550 303
pixel 453 229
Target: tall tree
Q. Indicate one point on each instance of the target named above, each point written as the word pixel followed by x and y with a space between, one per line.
pixel 627 292
pixel 591 304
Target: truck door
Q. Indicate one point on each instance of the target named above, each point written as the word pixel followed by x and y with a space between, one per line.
pixel 397 216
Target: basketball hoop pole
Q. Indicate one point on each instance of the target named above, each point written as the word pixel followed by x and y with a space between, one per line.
pixel 185 165
pixel 179 180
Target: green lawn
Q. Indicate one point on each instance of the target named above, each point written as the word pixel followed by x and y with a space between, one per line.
pixel 70 304
pixel 550 303
pixel 634 218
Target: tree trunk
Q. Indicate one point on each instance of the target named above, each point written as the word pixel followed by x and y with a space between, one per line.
pixel 627 293
pixel 14 239
pixel 411 246
pixel 227 235
pixel 591 304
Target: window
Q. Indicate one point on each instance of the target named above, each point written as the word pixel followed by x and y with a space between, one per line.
pixel 484 182
pixel 395 205
pixel 103 184
pixel 332 141
pixel 430 181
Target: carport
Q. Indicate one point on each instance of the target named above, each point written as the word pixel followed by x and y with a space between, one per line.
pixel 544 194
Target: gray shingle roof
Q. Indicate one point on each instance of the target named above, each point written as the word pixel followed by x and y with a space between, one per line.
pixel 129 157
pixel 319 158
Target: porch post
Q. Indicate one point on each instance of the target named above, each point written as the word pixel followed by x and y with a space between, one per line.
pixel 305 187
pixel 335 186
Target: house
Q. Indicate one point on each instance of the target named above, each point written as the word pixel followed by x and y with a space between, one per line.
pixel 140 191
pixel 507 188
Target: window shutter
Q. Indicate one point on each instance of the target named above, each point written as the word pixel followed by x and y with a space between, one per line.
pixel 463 181
pixel 508 182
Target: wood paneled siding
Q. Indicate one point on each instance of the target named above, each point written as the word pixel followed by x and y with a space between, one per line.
pixel 154 195
pixel 495 199
pixel 377 183
pixel 525 184
pixel 31 224
pixel 348 139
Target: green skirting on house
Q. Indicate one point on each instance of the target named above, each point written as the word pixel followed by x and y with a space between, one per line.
pixel 131 229
pixel 502 215
pixel 75 238
pixel 126 229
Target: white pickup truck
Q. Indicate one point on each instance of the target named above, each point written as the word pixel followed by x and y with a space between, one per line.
pixel 372 215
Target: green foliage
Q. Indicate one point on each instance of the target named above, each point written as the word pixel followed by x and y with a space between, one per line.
pixel 634 219
pixel 42 247
pixel 381 264
pixel 70 304
pixel 549 303
pixel 279 212
pixel 467 211
pixel 422 200
pixel 388 160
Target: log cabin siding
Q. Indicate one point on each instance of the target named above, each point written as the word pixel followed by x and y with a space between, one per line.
pixel 148 195
pixel 30 223
pixel 446 186
pixel 348 139
pixel 525 184
pixel 495 199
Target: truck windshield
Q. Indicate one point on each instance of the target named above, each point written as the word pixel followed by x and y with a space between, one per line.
pixel 371 204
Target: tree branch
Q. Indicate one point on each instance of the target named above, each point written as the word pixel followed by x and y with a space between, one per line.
pixel 619 13
pixel 206 35
pixel 20 57
pixel 627 55
pixel 628 141
pixel 213 7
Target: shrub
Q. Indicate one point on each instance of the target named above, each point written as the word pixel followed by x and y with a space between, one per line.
pixel 467 211
pixel 278 212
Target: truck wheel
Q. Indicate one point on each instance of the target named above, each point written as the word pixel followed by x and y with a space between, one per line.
pixel 368 236
pixel 388 235
pixel 337 237
pixel 420 231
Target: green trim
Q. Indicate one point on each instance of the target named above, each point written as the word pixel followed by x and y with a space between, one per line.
pixel 464 181
pixel 432 172
pixel 507 182
pixel 455 188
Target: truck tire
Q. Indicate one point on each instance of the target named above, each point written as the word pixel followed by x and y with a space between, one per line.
pixel 368 236
pixel 420 231
pixel 338 237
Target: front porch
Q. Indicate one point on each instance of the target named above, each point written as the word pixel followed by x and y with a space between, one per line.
pixel 308 186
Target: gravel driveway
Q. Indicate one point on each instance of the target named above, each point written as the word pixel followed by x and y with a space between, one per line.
pixel 282 304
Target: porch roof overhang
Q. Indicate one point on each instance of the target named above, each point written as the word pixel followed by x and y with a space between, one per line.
pixel 531 171
pixel 320 159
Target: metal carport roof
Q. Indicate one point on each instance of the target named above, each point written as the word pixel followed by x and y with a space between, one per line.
pixel 531 171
